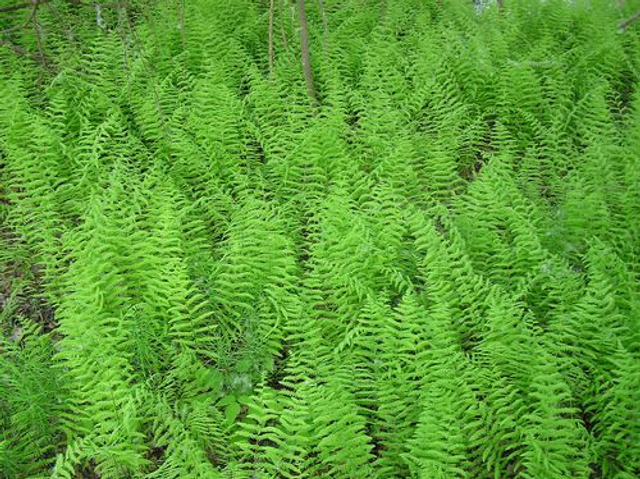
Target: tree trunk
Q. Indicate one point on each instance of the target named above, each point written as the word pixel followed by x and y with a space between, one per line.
pixel 183 38
pixel 283 33
pixel 306 57
pixel 325 25
pixel 271 52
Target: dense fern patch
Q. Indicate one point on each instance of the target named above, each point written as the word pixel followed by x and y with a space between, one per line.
pixel 429 272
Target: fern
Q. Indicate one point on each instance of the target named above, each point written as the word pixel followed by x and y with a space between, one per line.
pixel 429 272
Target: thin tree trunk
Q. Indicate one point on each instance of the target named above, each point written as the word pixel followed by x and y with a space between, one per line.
pixel 306 57
pixel 271 52
pixel 123 37
pixel 183 37
pixel 283 33
pixel 36 31
pixel 325 25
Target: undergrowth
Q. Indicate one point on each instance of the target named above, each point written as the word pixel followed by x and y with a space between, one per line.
pixel 431 273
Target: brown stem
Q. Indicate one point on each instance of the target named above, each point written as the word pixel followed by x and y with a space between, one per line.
pixel 94 4
pixel 625 23
pixel 123 37
pixel 44 62
pixel 271 51
pixel 325 25
pixel 17 49
pixel 283 33
pixel 305 56
pixel 79 3
pixel 292 17
pixel 182 21
pixel 34 9
pixel 16 27
pixel 36 31
pixel 12 8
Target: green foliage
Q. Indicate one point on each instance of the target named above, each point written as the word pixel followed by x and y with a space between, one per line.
pixel 432 273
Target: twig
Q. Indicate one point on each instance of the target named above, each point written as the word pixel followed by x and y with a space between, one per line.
pixel 283 33
pixel 305 56
pixel 35 4
pixel 25 24
pixel 625 23
pixel 36 30
pixel 79 3
pixel 325 25
pixel 17 49
pixel 15 27
pixel 123 38
pixel 534 64
pixel 182 22
pixel 271 50
pixel 13 8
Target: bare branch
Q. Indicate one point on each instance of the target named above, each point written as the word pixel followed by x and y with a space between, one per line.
pixel 36 30
pixel 271 51
pixel 325 25
pixel 626 23
pixel 25 24
pixel 79 3
pixel 183 37
pixel 99 5
pixel 13 8
pixel 283 33
pixel 306 57
pixel 18 50
pixel 14 28
pixel 123 37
